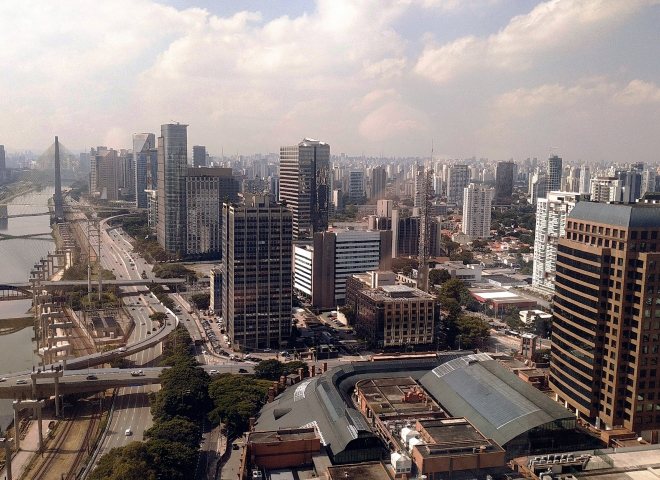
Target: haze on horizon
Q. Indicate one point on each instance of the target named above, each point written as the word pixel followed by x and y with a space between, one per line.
pixel 491 78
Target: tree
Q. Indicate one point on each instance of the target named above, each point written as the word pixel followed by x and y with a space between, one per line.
pixel 201 300
pixel 454 289
pixel 174 460
pixel 473 331
pixel 438 276
pixel 177 429
pixel 183 393
pixel 291 368
pixel 236 398
pixel 158 317
pixel 269 369
pixel 131 462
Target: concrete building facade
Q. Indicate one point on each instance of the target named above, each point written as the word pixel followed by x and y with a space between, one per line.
pixel 458 177
pixel 554 173
pixel 551 215
pixel 199 156
pixel 476 210
pixel 322 267
pixel 504 182
pixel 145 159
pixel 257 276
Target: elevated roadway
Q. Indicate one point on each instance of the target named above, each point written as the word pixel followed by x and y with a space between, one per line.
pixel 95 380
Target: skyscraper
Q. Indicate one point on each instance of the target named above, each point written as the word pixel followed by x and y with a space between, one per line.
pixel 172 168
pixel 145 159
pixel 199 156
pixel 3 164
pixel 554 173
pixel 551 214
pixel 104 173
pixel 477 201
pixel 631 183
pixel 304 185
pixel 257 277
pixel 206 190
pixel 605 189
pixel 356 185
pixel 458 177
pixel 606 321
pixel 378 182
pixel 585 179
pixel 504 182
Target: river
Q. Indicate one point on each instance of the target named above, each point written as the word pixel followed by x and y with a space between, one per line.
pixel 17 256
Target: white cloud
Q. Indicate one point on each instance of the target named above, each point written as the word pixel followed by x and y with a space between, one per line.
pixel 638 92
pixel 550 26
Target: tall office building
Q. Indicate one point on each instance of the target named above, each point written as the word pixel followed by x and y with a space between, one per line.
pixel 648 181
pixel 104 173
pixel 126 180
pixel 199 156
pixel 172 168
pixel 504 182
pixel 631 183
pixel 378 182
pixel 356 185
pixel 585 179
pixel 3 163
pixel 304 185
pixel 206 190
pixel 554 173
pixel 458 177
pixel 257 277
pixel 477 201
pixel 605 189
pixel 572 180
pixel 551 214
pixel 145 160
pixel 606 321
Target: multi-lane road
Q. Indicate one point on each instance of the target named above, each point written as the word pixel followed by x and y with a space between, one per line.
pixel 131 406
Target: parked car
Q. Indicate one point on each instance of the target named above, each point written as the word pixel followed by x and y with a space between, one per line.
pixel 92 377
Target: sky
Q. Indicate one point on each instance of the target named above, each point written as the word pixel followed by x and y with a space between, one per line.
pixel 487 78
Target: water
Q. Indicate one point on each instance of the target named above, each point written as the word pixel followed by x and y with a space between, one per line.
pixel 17 256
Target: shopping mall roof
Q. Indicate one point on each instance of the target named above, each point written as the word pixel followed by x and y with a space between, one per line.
pixel 498 403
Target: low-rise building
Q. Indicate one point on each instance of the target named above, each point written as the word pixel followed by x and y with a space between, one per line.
pixel 393 315
pixel 468 273
pixel 501 299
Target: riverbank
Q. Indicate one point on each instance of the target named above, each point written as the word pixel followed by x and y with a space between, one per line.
pixel 16 189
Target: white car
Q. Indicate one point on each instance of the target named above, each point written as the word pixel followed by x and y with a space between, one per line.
pixel 213 372
pixel 128 432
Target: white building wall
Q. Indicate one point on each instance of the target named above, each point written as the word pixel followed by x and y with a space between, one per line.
pixel 302 269
pixel 477 201
pixel 355 252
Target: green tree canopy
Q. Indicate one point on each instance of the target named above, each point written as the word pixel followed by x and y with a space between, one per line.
pixel 131 462
pixel 178 429
pixel 201 300
pixel 269 369
pixel 473 331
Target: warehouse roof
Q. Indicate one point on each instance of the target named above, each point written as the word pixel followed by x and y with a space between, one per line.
pixel 498 403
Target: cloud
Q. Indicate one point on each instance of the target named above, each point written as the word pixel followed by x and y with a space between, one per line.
pixel 638 92
pixel 550 26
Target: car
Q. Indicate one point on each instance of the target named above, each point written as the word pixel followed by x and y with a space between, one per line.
pixel 21 381
pixel 128 432
pixel 3 379
pixel 204 352
pixel 242 370
pixel 213 372
pixel 122 349
pixel 137 373
pixel 267 350
pixel 91 377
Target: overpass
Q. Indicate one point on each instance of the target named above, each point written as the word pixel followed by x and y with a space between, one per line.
pixel 47 284
pixel 20 386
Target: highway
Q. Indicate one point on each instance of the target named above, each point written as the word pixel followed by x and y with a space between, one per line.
pixel 131 407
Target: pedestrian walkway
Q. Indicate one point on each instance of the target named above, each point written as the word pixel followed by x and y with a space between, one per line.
pixel 29 447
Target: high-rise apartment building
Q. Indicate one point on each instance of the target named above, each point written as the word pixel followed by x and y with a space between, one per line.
pixel 605 189
pixel 551 214
pixel 206 190
pixel 304 185
pixel 257 277
pixel 199 156
pixel 477 201
pixel 504 182
pixel 631 183
pixel 378 182
pixel 172 169
pixel 554 173
pixel 145 161
pixel 3 162
pixel 458 177
pixel 321 269
pixel 538 187
pixel 606 324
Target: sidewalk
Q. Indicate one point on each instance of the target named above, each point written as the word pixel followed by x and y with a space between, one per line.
pixel 29 446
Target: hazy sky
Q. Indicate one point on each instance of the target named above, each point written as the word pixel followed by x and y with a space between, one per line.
pixel 495 78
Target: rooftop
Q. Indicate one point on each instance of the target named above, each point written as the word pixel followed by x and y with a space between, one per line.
pixel 389 293
pixel 284 435
pixel 636 215
pixel 396 396
pixel 451 436
pixel 360 471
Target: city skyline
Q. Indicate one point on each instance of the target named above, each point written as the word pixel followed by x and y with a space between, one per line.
pixel 520 80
